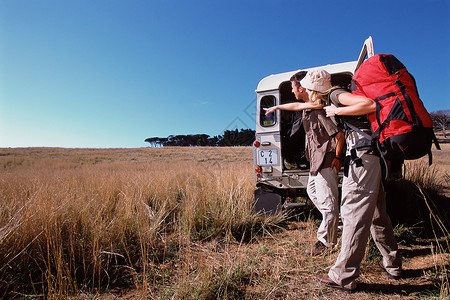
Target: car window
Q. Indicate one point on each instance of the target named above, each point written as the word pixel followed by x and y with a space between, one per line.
pixel 266 102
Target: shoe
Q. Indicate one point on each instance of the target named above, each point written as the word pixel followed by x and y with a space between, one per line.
pixel 289 165
pixel 317 249
pixel 326 280
pixel 395 277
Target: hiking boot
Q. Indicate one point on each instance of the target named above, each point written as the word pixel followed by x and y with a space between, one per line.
pixel 326 280
pixel 317 249
pixel 395 277
pixel 289 165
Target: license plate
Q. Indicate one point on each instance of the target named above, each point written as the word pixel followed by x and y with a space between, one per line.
pixel 267 157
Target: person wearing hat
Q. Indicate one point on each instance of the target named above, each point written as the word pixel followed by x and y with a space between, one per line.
pixel 363 206
pixel 324 149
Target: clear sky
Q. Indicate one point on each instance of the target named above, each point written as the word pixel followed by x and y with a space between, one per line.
pixel 110 73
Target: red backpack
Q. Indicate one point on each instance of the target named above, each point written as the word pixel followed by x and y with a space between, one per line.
pixel 401 124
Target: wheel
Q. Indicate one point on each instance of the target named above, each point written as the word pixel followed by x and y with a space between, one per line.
pixel 267 202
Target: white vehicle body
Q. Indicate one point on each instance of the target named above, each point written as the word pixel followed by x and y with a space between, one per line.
pixel 274 181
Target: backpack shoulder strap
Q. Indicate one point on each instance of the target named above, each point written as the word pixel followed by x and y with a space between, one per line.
pixel 329 101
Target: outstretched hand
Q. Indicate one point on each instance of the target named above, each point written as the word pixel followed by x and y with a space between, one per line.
pixel 269 110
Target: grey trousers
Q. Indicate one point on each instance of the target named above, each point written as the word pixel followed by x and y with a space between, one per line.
pixel 324 193
pixel 363 211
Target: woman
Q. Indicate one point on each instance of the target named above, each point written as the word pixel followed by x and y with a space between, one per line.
pixel 363 207
pixel 324 149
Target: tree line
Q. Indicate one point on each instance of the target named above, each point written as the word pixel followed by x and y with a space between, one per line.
pixel 242 137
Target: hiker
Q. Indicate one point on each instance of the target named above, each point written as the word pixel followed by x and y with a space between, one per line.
pixel 363 206
pixel 324 149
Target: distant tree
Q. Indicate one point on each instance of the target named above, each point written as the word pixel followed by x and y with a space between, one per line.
pixel 213 141
pixel 178 140
pixel 228 138
pixel 246 137
pixel 441 118
pixel 155 142
pixel 202 139
pixel 163 141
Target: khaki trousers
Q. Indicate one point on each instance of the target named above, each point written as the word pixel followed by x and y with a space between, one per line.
pixel 324 193
pixel 363 211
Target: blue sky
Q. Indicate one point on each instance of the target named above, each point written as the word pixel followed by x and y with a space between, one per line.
pixel 110 73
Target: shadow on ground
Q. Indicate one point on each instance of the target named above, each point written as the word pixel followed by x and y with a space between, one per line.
pixel 401 289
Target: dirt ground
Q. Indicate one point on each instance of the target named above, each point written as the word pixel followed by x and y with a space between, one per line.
pixel 419 279
pixel 282 271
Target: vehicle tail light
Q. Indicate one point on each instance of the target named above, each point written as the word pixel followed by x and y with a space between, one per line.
pixel 258 169
pixel 256 144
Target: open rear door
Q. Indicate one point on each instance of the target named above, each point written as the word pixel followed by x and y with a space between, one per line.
pixel 367 50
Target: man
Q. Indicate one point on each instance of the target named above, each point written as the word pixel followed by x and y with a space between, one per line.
pixel 293 139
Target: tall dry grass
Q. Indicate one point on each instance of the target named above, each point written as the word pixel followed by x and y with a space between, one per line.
pixel 74 220
pixel 168 222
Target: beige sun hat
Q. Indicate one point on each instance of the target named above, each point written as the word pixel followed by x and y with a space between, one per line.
pixel 317 80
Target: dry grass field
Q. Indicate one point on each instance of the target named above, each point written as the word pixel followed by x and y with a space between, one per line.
pixel 177 223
